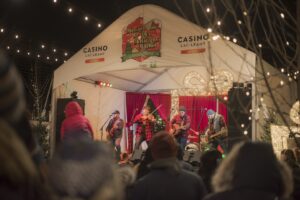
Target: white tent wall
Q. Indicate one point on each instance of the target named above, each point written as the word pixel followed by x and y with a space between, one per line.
pixel 99 102
pixel 285 95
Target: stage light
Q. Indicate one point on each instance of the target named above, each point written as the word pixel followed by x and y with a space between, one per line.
pixel 17 36
pixel 282 15
pixel 234 40
pixel 209 30
pixel 219 23
pixel 70 10
pixel 86 18
pixel 2 30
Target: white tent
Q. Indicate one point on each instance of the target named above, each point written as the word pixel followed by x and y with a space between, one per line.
pixel 147 49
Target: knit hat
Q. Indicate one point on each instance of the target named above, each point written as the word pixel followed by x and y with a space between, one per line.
pixel 163 145
pixel 12 100
pixel 82 169
pixel 210 112
pixel 182 108
pixel 116 112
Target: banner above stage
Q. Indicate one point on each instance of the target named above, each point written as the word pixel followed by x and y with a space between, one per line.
pixel 152 39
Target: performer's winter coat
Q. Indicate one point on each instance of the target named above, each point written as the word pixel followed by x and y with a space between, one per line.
pixel 75 124
pixel 167 180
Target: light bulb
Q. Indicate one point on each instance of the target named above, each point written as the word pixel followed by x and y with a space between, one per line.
pixel 260 45
pixel 208 10
pixel 209 30
pixel 234 40
pixel 282 15
pixel 70 10
pixel 219 23
pixel 281 82
pixel 2 30
pixel 99 25
pixel 17 36
pixel 86 18
pixel 66 54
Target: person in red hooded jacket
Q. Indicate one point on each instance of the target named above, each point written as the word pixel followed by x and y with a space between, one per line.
pixel 75 125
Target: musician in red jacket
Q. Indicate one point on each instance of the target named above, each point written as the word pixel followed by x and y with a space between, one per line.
pixel 75 125
pixel 144 131
pixel 180 125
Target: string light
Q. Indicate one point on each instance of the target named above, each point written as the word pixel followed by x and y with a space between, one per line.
pixel 8 47
pixel 99 25
pixel 2 30
pixel 282 70
pixel 228 38
pixel 18 50
pixel 86 18
pixel 234 40
pixel 66 54
pixel 215 37
pixel 260 45
pixel 56 59
pixel 48 58
pixel 261 99
pixel 38 55
pixel 287 43
pixel 242 125
pixel 281 82
pixel 70 10
pixel 54 1
pixel 43 46
pixel 28 53
pixel 225 98
pixel 207 10
pixel 239 22
pixel 247 93
pixel 54 50
pixel 209 30
pixel 245 13
pixel 17 36
pixel 250 118
pixel 268 73
pixel 219 23
pixel 245 132
pixel 282 15
pixel 290 79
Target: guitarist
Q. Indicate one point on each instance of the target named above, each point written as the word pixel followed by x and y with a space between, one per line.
pixel 216 125
pixel 180 125
pixel 115 130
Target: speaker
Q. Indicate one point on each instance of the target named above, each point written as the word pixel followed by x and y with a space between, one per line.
pixel 137 155
pixel 60 115
pixel 239 115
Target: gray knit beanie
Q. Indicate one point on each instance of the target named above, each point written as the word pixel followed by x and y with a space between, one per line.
pixel 84 169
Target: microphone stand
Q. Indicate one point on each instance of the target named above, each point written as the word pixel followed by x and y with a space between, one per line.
pixel 199 128
pixel 101 129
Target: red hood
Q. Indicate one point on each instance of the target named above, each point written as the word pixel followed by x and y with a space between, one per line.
pixel 73 108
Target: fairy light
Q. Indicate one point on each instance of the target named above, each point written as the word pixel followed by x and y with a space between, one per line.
pixel 17 36
pixel 282 15
pixel 215 37
pixel 207 10
pixel 70 10
pixel 54 1
pixel 245 13
pixel 228 38
pixel 38 55
pixel 287 43
pixel 54 50
pixel 66 54
pixel 239 22
pixel 250 118
pixel 28 53
pixel 209 30
pixel 268 73
pixel 282 70
pixel 260 45
pixel 47 58
pixel 281 82
pixel 56 59
pixel 18 51
pixel 86 18
pixel 8 47
pixel 245 132
pixel 242 125
pixel 219 23
pixel 261 99
pixel 247 93
pixel 43 46
pixel 2 30
pixel 99 25
pixel 234 40
pixel 225 98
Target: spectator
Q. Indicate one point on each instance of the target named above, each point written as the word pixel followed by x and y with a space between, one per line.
pixel 184 165
pixel 251 171
pixel 19 179
pixel 167 180
pixel 84 169
pixel 287 155
pixel 75 124
pixel 209 162
pixel 128 177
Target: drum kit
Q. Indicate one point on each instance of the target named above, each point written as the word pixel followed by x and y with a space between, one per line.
pixel 200 140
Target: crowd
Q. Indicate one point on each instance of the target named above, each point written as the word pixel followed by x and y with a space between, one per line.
pixel 82 168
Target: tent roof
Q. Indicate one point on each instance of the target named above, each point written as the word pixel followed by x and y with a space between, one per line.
pixel 181 47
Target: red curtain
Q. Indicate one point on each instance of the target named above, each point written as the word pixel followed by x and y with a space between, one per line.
pixel 197 106
pixel 135 102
